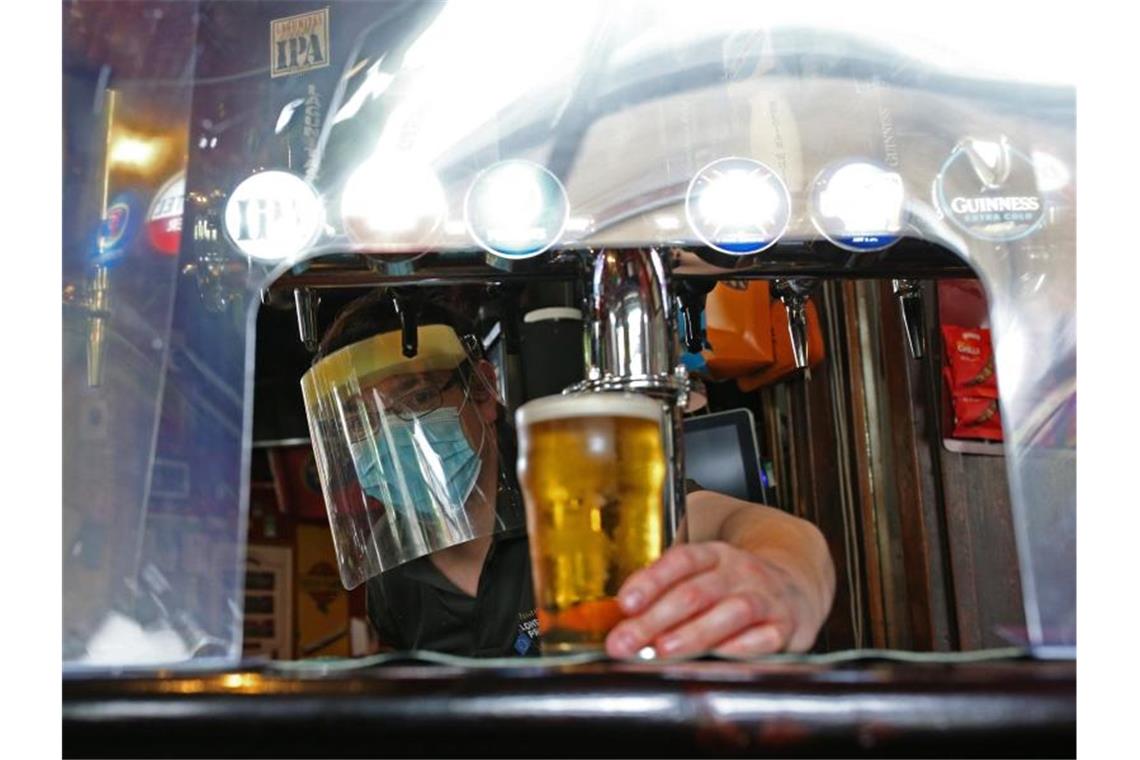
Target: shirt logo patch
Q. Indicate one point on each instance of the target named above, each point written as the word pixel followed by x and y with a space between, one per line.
pixel 528 632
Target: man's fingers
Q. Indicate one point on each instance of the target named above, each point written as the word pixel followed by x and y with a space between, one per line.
pixel 678 562
pixel 727 618
pixel 675 606
pixel 767 638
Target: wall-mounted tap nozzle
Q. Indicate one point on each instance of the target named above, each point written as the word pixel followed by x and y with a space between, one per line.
pixel 306 301
pixel 909 294
pixel 692 295
pixel 794 294
pixel 98 296
pixel 407 308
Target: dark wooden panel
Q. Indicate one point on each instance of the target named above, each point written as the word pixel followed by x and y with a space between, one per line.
pixel 820 501
pixel 860 435
pixel 983 552
pixel 912 450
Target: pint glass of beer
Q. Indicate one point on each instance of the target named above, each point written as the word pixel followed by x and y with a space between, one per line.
pixel 592 470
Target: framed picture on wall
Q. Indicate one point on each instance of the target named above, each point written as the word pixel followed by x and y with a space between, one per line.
pixel 268 617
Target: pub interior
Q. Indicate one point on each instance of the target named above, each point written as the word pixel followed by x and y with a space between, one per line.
pixel 843 265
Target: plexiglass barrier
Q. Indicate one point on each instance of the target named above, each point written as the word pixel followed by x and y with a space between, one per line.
pixel 211 148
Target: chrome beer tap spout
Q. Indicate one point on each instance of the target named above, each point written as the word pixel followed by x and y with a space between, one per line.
pixel 794 294
pixel 909 294
pixel 98 308
pixel 632 345
pixel 306 301
pixel 631 331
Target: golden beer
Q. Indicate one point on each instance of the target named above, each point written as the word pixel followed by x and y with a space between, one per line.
pixel 592 470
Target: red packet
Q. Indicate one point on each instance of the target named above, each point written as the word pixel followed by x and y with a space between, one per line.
pixel 977 417
pixel 969 361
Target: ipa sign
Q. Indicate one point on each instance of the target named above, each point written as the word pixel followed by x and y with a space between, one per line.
pixel 299 43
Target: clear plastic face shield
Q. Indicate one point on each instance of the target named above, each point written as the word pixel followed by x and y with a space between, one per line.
pixel 406 448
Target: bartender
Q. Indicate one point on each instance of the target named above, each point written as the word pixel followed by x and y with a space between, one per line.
pixel 417 460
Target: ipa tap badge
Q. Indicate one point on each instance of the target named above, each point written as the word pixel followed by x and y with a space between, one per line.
pixel 299 43
pixel 989 189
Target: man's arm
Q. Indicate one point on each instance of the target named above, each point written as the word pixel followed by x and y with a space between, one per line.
pixel 751 580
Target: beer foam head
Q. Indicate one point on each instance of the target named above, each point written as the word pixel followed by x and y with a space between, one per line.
pixel 599 404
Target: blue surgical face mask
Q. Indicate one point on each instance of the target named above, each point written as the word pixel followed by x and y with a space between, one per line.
pixel 421 466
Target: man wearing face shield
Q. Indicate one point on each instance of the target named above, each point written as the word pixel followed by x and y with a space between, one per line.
pixel 417 463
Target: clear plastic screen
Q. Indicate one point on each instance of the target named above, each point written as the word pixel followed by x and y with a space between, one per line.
pixel 599 124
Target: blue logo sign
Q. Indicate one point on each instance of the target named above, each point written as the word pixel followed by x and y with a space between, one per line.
pixel 117 229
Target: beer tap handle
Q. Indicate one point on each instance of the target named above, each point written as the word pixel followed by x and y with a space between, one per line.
pixel 794 294
pixel 797 327
pixel 408 311
pixel 98 309
pixel 910 301
pixel 307 302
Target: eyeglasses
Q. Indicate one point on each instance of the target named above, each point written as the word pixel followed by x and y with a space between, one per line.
pixel 420 401
pixel 360 412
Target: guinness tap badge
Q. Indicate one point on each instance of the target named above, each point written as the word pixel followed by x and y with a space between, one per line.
pixel 989 189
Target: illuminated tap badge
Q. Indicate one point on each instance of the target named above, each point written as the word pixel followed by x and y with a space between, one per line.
pixel 273 216
pixel 858 205
pixel 738 206
pixel 164 219
pixel 516 209
pixel 392 203
pixel 989 189
pixel 299 43
pixel 117 228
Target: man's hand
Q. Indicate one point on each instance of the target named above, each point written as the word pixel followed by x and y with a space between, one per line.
pixel 713 596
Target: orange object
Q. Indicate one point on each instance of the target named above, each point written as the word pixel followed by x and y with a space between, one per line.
pixel 738 329
pixel 785 363
pixel 596 617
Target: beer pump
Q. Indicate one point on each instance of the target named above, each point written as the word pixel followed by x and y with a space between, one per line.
pixel 307 301
pixel 631 338
pixel 97 302
pixel 794 293
pixel 909 293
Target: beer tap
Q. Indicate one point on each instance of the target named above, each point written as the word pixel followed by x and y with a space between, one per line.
pixel 98 311
pixel 407 308
pixel 307 302
pixel 632 346
pixel 98 286
pixel 909 294
pixel 794 294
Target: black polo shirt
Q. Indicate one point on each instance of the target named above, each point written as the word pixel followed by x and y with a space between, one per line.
pixel 415 606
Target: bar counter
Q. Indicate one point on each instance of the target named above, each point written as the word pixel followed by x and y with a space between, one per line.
pixel 868 706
